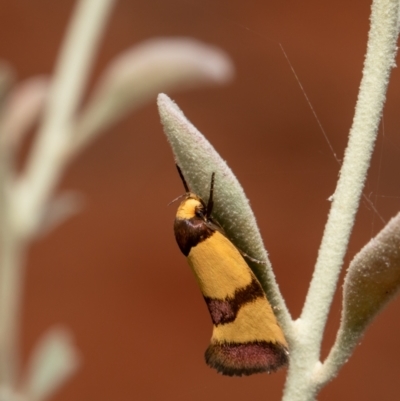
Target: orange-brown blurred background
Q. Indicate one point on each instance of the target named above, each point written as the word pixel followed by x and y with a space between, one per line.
pixel 114 275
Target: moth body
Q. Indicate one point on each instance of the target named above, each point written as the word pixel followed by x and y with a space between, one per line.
pixel 246 336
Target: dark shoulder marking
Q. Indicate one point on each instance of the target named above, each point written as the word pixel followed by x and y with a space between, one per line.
pixel 189 232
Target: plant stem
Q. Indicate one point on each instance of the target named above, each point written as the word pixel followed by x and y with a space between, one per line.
pixel 50 151
pixel 11 282
pixel 381 52
pixel 23 202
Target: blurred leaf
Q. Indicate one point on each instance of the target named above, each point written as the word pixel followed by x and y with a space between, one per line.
pixel 140 73
pixel 51 364
pixel 59 209
pixel 23 108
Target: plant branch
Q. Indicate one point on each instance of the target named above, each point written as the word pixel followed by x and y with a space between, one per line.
pixel 48 155
pixel 23 201
pixel 380 57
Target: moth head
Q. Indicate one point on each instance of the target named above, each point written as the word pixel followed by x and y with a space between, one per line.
pixel 192 206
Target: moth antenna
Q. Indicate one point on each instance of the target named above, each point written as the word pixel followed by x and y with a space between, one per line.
pixel 177 198
pixel 210 202
pixel 183 179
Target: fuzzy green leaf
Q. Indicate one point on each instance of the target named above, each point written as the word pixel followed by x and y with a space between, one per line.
pixel 198 160
pixel 372 280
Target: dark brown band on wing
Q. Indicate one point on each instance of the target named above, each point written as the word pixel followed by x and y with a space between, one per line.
pixel 238 359
pixel 189 232
pixel 225 310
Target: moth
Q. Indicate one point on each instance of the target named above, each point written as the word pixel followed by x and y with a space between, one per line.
pixel 246 337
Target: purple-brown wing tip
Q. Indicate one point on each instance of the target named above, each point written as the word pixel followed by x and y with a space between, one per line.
pixel 243 359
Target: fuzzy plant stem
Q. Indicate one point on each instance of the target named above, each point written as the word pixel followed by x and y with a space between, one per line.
pixel 12 252
pixel 23 201
pixel 50 151
pixel 11 259
pixel 381 52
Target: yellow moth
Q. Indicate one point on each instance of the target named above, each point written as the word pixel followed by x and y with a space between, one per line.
pixel 246 337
